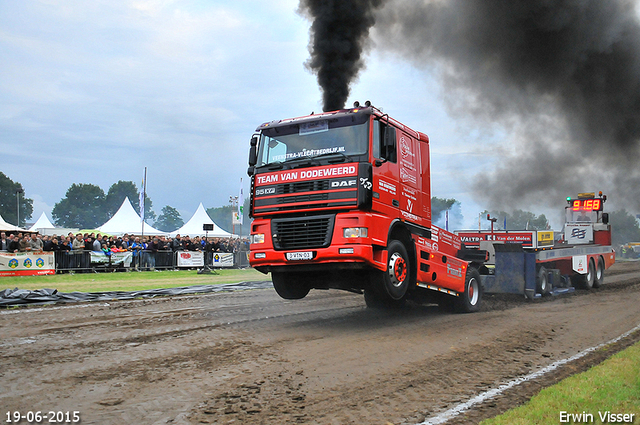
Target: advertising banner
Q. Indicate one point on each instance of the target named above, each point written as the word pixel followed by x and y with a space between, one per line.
pixel 472 239
pixel 578 233
pixel 117 258
pixel 222 259
pixel 545 238
pixel 27 263
pixel 190 259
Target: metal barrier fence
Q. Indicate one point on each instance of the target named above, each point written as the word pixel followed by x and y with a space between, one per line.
pixel 88 261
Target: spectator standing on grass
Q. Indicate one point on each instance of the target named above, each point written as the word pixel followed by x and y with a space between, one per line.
pixel 4 242
pixel 176 243
pixel 78 243
pixel 66 245
pixel 97 244
pixel 153 248
pixel 25 244
pixel 35 243
pixel 14 243
pixel 47 243
pixel 51 245
pixel 137 248
pixel 106 250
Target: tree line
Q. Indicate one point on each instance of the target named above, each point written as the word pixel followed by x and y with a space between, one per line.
pixel 87 206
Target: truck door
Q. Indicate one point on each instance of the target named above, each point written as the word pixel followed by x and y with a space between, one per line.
pixel 386 196
pixel 410 178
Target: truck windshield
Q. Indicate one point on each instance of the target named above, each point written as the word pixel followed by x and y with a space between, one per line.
pixel 313 139
pixel 580 216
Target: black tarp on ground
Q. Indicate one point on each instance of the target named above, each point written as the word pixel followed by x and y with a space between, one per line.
pixel 14 297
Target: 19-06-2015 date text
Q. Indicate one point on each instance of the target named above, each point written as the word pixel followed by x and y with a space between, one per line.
pixel 39 417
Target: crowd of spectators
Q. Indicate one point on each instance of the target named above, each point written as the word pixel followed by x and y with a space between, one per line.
pixel 25 242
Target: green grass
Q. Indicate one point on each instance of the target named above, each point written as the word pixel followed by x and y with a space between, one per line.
pixel 129 281
pixel 613 386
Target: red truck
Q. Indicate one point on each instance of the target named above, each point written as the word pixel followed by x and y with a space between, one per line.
pixel 342 200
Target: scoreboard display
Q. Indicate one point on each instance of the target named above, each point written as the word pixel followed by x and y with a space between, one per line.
pixel 586 204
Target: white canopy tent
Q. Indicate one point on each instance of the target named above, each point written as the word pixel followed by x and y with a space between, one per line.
pixel 7 227
pixel 42 225
pixel 127 220
pixel 193 227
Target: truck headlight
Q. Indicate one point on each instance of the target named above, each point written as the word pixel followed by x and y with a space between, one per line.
pixel 355 232
pixel 257 238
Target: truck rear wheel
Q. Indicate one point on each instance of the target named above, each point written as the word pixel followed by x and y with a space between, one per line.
pixel 585 281
pixel 290 286
pixel 599 279
pixel 542 282
pixel 469 301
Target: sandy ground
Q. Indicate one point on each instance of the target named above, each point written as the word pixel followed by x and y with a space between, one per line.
pixel 251 358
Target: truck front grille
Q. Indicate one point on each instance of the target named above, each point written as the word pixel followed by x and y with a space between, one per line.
pixel 303 232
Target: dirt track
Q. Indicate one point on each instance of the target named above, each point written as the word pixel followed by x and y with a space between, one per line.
pixel 251 358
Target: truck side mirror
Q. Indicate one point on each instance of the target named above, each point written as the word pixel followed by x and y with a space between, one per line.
pixel 389 143
pixel 253 151
pixel 605 218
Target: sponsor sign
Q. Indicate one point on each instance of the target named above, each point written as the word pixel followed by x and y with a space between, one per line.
pixel 578 233
pixel 545 238
pixel 222 259
pixel 116 258
pixel 473 239
pixel 25 264
pixel 190 259
pixel 329 171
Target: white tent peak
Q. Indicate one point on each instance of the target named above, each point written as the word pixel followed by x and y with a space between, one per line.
pixel 127 220
pixel 193 227
pixel 42 223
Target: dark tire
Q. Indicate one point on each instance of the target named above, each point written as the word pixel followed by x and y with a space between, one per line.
pixel 469 301
pixel 585 281
pixel 388 289
pixel 395 280
pixel 542 282
pixel 290 286
pixel 599 278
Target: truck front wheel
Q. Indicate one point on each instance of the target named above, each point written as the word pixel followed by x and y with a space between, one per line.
pixel 388 288
pixel 290 286
pixel 396 279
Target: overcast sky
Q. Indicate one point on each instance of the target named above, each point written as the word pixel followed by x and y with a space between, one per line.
pixel 94 91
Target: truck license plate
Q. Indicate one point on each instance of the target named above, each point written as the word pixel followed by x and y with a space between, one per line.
pixel 294 256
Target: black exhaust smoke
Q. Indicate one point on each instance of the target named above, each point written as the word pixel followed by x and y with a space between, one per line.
pixel 339 33
pixel 561 76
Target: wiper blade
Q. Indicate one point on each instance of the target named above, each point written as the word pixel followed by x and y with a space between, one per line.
pixel 344 158
pixel 273 165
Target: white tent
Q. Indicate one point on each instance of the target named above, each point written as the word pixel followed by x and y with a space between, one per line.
pixel 127 220
pixel 193 227
pixel 6 227
pixel 42 224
